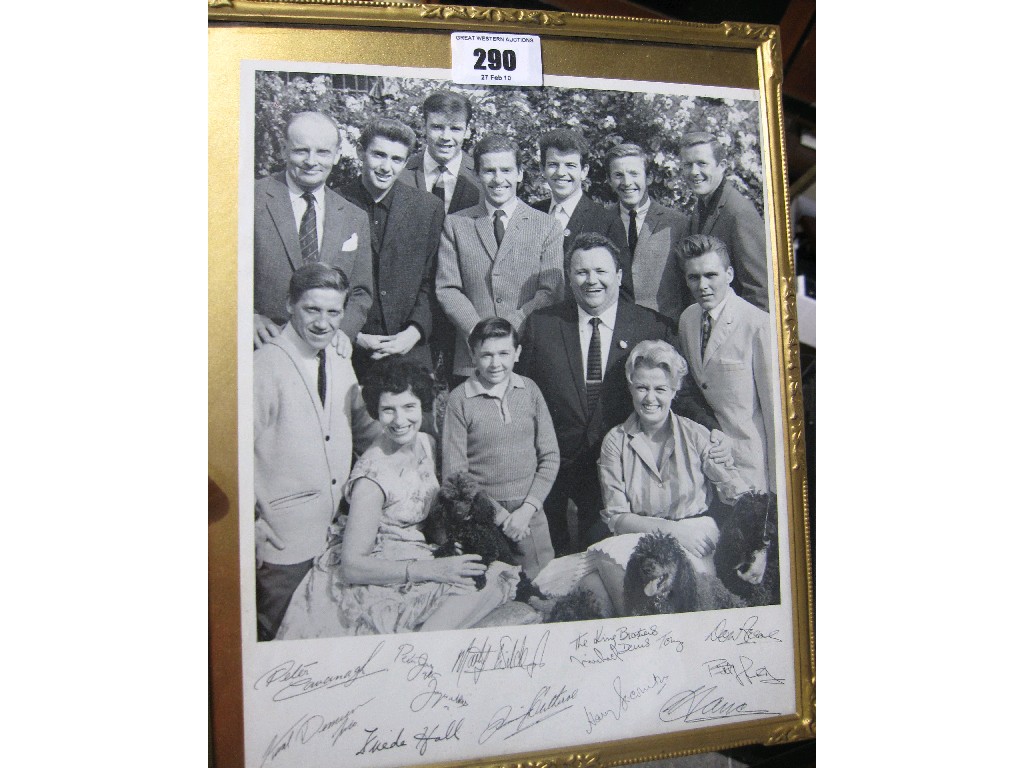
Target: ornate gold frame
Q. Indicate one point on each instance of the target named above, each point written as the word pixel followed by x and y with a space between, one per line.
pixel 730 54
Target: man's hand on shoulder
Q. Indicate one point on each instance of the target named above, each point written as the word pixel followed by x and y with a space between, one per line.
pixel 263 330
pixel 342 344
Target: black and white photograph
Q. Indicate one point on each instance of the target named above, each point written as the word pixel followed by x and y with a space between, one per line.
pixel 536 321
pixel 508 414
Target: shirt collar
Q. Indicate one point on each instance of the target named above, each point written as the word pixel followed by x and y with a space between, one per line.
pixel 368 195
pixel 475 389
pixel 290 337
pixel 641 210
pixel 430 165
pixel 716 312
pixel 295 191
pixel 712 199
pixel 569 206
pixel 607 317
pixel 508 208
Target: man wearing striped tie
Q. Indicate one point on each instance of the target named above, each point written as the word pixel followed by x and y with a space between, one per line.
pixel 576 353
pixel 726 341
pixel 299 220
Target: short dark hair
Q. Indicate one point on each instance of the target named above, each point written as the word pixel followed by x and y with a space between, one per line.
pixel 564 140
pixel 447 103
pixel 626 150
pixel 392 130
pixel 696 138
pixel 695 246
pixel 492 328
pixel 584 241
pixel 397 375
pixel 316 275
pixel 495 142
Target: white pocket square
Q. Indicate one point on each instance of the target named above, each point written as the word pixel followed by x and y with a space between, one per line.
pixel 352 243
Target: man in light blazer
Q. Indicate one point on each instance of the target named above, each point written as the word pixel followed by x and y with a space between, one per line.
pixel 727 344
pixel 646 233
pixel 724 212
pixel 445 169
pixel 298 220
pixel 405 225
pixel 556 341
pixel 564 159
pixel 501 258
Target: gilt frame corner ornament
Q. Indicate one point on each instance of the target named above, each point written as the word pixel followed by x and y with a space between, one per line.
pixel 678 684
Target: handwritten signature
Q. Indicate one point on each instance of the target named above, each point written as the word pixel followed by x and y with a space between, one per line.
pixel 612 646
pixel 698 706
pixel 510 653
pixel 742 672
pixel 429 735
pixel 624 698
pixel 375 743
pixel 291 679
pixel 309 726
pixel 746 633
pixel 541 708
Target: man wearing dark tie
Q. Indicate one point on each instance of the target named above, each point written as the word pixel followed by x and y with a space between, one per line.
pixel 307 414
pixel 724 212
pixel 501 258
pixel 298 221
pixel 444 169
pixel 406 229
pixel 645 232
pixel 576 353
pixel 726 341
pixel 565 163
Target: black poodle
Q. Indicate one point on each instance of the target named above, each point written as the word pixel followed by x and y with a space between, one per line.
pixel 461 522
pixel 749 543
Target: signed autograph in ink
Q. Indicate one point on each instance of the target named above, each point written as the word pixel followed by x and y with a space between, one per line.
pixel 748 632
pixel 623 698
pixel 700 705
pixel 744 671
pixel 290 679
pixel 510 653
pixel 307 728
pixel 542 707
pixel 608 646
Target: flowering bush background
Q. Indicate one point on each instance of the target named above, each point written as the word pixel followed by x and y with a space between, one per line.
pixel 604 118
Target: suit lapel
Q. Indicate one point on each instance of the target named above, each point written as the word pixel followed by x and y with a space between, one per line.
pixel 485 231
pixel 713 215
pixel 514 229
pixel 622 336
pixel 334 230
pixel 574 354
pixel 652 223
pixel 721 330
pixel 281 212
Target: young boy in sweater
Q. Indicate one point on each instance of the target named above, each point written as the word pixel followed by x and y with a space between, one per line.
pixel 497 427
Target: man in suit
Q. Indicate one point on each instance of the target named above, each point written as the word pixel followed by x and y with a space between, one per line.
pixel 645 232
pixel 501 258
pixel 405 226
pixel 307 414
pixel 724 212
pixel 576 353
pixel 564 160
pixel 298 220
pixel 726 341
pixel 444 169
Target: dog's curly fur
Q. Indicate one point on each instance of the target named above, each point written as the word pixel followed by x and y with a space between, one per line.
pixel 751 526
pixel 578 605
pixel 659 566
pixel 461 521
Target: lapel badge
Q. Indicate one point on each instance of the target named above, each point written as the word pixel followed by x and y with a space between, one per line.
pixel 567 232
pixel 623 344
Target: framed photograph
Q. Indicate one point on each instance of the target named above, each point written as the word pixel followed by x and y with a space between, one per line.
pixel 506 450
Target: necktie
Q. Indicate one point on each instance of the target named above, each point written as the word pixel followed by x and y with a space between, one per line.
pixel 321 377
pixel 439 184
pixel 705 333
pixel 307 230
pixel 632 232
pixel 499 225
pixel 561 215
pixel 594 364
